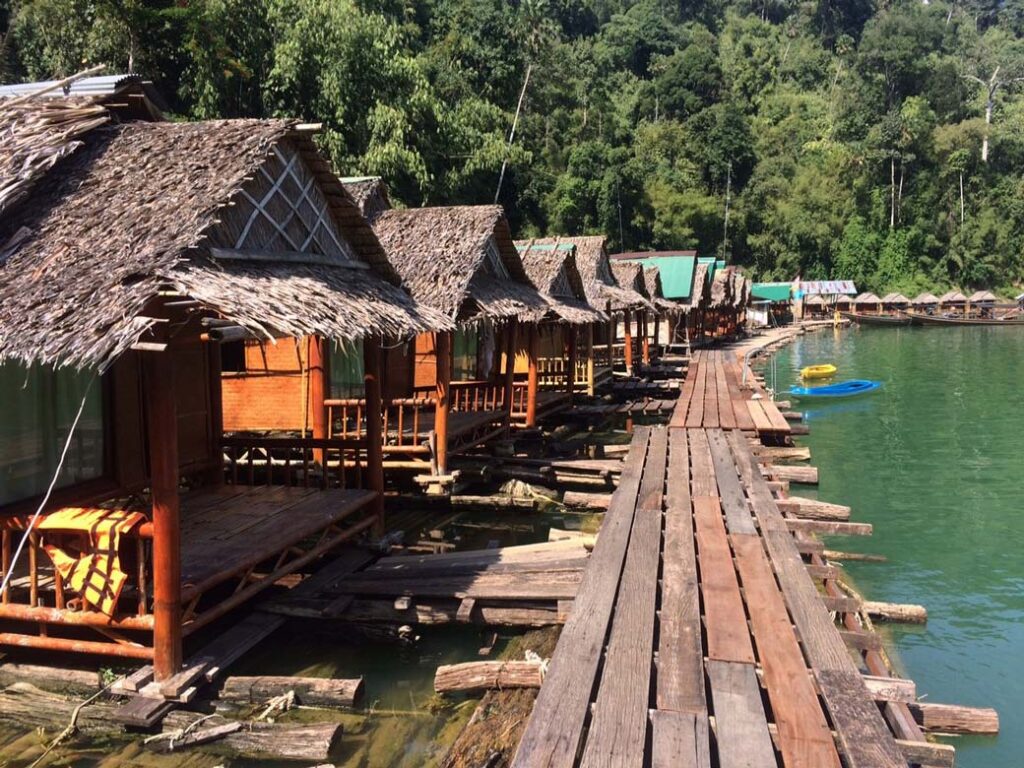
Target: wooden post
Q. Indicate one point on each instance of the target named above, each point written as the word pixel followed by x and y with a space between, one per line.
pixel 511 339
pixel 319 386
pixel 611 336
pixel 645 343
pixel 216 474
pixel 443 353
pixel 657 333
pixel 374 427
pixel 163 473
pixel 590 360
pixel 570 379
pixel 531 381
pixel 627 318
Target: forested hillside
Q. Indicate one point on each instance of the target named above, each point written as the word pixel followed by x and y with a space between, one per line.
pixel 882 142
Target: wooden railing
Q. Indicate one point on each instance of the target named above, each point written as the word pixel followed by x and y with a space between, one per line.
pixel 401 420
pixel 472 396
pixel 292 461
pixel 551 372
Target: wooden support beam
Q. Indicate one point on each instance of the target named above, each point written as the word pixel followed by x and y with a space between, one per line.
pixel 443 352
pixel 829 527
pixel 485 675
pixel 374 428
pixel 511 343
pixel 162 428
pixel 570 365
pixel 897 612
pixel 533 337
pixel 813 509
pixel 590 360
pixel 319 386
pixel 951 718
pixel 627 318
pixel 645 343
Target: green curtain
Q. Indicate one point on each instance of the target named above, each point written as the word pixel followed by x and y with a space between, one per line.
pixel 464 350
pixel 39 407
pixel 347 370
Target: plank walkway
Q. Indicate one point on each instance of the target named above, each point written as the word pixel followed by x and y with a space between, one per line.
pixel 698 636
pixel 715 397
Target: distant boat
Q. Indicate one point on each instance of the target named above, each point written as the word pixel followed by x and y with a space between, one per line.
pixel 825 371
pixel 923 319
pixel 842 389
pixel 862 319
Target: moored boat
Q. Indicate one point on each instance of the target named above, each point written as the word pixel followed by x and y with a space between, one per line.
pixel 861 319
pixel 841 389
pixel 824 371
pixel 923 319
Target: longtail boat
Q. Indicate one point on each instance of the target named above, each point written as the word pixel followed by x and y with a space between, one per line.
pixel 862 319
pixel 923 319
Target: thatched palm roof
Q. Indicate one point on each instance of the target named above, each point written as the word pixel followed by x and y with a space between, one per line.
pixel 552 270
pixel 983 297
pixel 459 260
pixel 595 268
pixel 895 298
pixel 952 297
pixel 133 214
pixel 700 294
pixel 815 301
pixel 741 289
pixel 630 276
pixel 925 299
pixel 867 298
pixel 652 279
pixel 370 194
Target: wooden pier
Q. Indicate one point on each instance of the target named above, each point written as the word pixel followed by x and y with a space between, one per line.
pixel 699 637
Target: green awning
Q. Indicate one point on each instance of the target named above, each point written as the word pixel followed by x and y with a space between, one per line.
pixel 771 291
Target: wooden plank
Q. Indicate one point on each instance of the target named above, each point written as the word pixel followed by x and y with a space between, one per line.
pixel 741 728
pixel 679 740
pixel 680 672
pixel 833 527
pixel 555 729
pixel 778 421
pixel 695 414
pixel 863 734
pixel 702 472
pixel 726 416
pixel 513 585
pixel 758 416
pixel 742 415
pixel 803 733
pixel 726 622
pixel 711 395
pixel 734 503
pixel 652 485
pixel 618 731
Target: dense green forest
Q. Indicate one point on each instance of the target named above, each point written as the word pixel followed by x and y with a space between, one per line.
pixel 878 141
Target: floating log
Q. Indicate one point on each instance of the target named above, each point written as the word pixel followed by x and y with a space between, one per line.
pixel 193 738
pixel 799 429
pixel 951 718
pixel 493 502
pixel 53 679
pixel 793 474
pixel 898 612
pixel 313 691
pixel 792 415
pixel 588 500
pixel 485 675
pixel 927 754
pixel 446 612
pixel 835 554
pixel 813 509
pixel 782 453
pixel 829 527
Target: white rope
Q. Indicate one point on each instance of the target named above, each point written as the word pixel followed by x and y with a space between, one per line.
pixel 49 491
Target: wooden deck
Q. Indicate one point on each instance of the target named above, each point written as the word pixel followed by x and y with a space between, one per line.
pixel 698 636
pixel 714 396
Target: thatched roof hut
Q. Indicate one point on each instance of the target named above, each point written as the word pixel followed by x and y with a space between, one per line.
pixel 952 297
pixel 741 289
pixel 370 194
pixel 925 299
pixel 460 260
pixel 895 300
pixel 552 270
pixel 652 279
pixel 983 297
pixel 815 301
pixel 595 268
pixel 120 217
pixel 867 299
pixel 630 276
pixel 700 293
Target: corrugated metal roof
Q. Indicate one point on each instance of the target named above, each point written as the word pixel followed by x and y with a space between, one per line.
pixel 828 287
pixel 87 86
pixel 771 291
pixel 676 273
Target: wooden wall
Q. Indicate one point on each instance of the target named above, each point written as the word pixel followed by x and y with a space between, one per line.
pixel 272 392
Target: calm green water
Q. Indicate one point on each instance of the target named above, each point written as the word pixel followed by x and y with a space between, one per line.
pixel 935 460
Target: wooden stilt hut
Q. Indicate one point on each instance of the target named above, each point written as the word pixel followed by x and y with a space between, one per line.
pixel 663 313
pixel 129 255
pixel 448 392
pixel 953 303
pixel 561 368
pixel 636 310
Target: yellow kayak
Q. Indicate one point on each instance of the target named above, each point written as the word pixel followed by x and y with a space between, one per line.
pixel 818 371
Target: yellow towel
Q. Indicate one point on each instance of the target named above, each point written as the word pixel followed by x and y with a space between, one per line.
pixel 95 575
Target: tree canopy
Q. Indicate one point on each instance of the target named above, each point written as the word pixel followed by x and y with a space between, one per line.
pixel 875 141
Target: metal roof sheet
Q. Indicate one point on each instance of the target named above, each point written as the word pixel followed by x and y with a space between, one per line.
pixel 676 273
pixel 771 291
pixel 827 287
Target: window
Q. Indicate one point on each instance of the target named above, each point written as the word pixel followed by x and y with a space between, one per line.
pixel 464 350
pixel 40 405
pixel 347 370
pixel 232 357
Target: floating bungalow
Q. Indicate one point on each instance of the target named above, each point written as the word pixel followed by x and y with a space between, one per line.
pixel 131 255
pixel 816 308
pixel 772 303
pixel 557 367
pixel 925 302
pixel 450 392
pixel 953 303
pixel 867 303
pixel 981 303
pixel 894 302
pixel 636 342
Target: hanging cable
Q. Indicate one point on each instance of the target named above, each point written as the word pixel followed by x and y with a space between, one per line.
pixel 49 491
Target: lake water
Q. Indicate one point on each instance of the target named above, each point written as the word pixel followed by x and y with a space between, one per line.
pixel 935 461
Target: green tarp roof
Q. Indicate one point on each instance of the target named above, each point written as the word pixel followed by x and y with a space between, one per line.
pixel 771 291
pixel 676 274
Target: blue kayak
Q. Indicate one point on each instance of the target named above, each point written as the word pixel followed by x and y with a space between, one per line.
pixel 841 389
